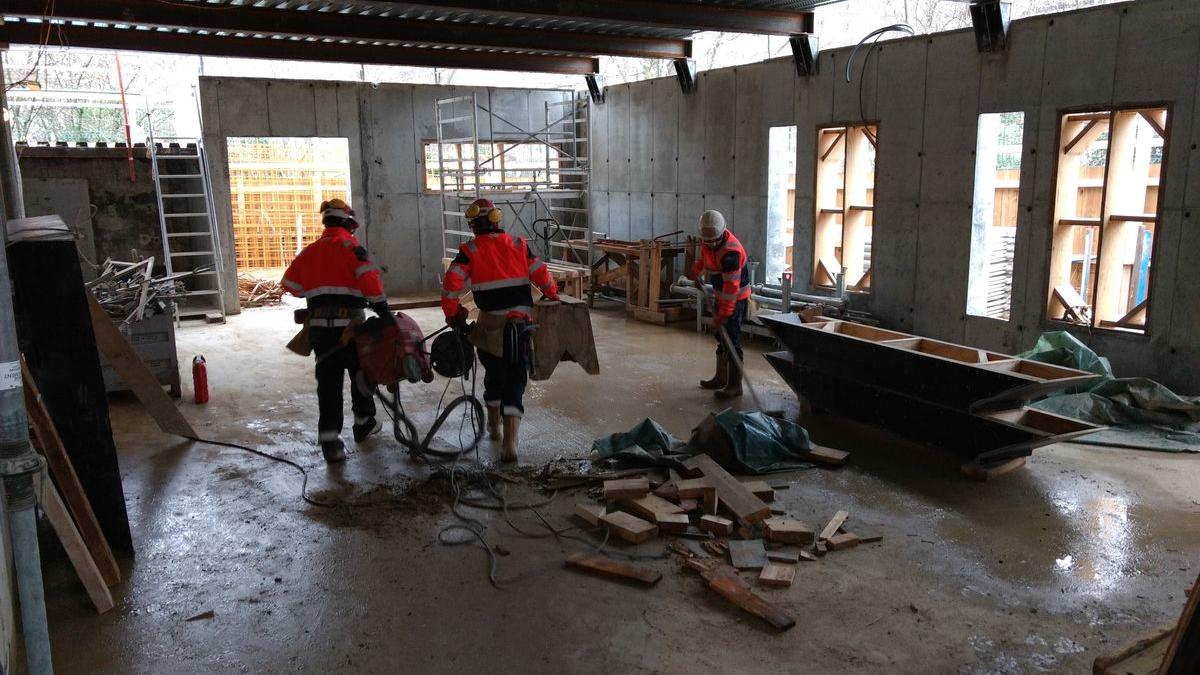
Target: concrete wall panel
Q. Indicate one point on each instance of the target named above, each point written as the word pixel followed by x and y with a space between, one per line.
pixel 641 137
pixel 690 208
pixel 618 104
pixel 395 150
pixel 778 92
pixel 618 215
pixel 750 224
pixel 693 135
pixel 902 128
pixel 666 213
pixel 243 107
pixel 941 283
pixel 598 145
pixel 750 134
pixel 292 108
pixel 325 109
pixel 665 135
pixel 893 261
pixel 720 95
pixel 641 216
pixel 599 212
pixel 855 100
pixel 951 119
pixel 426 222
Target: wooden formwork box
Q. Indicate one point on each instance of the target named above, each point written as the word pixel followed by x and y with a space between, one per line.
pixel 645 269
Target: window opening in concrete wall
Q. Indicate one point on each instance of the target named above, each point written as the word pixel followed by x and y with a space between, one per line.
pixel 998 149
pixel 781 201
pixel 276 186
pixel 845 206
pixel 1106 212
pixel 508 166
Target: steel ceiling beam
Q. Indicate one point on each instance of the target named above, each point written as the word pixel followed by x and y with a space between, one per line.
pixel 299 50
pixel 351 26
pixel 656 13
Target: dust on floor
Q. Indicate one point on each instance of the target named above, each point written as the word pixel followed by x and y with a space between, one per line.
pixel 1039 571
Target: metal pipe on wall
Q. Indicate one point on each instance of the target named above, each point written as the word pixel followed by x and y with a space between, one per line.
pixel 18 464
pixel 18 461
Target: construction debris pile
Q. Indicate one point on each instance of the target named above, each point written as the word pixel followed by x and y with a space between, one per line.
pixel 732 526
pixel 255 292
pixel 129 291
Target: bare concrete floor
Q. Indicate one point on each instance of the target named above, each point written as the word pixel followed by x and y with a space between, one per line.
pixel 1037 572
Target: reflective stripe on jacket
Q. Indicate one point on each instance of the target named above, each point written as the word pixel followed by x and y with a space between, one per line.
pixel 730 277
pixel 499 270
pixel 335 267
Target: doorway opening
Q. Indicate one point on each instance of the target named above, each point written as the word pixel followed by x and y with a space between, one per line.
pixel 781 202
pixel 276 186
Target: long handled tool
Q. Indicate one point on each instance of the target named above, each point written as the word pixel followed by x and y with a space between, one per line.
pixel 737 361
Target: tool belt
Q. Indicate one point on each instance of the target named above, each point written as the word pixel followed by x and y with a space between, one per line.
pixel 488 334
pixel 328 316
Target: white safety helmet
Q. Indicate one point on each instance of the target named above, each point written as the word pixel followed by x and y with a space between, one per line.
pixel 712 225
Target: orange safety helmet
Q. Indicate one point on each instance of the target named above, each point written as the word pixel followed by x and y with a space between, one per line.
pixel 484 208
pixel 337 212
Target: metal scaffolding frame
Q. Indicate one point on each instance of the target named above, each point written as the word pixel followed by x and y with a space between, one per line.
pixel 551 209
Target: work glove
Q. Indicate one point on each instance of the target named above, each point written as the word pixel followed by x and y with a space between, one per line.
pixel 458 320
pixel 547 300
pixel 381 308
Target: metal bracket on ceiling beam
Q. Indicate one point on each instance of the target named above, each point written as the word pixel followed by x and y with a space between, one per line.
pixel 805 49
pixel 685 73
pixel 595 85
pixel 990 19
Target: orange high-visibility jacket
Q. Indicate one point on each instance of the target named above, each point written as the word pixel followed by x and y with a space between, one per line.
pixel 499 270
pixel 729 275
pixel 335 265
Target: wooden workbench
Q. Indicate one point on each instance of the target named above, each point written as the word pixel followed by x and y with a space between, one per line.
pixel 647 268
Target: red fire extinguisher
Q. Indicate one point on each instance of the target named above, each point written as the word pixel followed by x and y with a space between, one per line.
pixel 200 379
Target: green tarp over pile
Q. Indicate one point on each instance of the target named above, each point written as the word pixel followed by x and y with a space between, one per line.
pixel 1139 412
pixel 742 442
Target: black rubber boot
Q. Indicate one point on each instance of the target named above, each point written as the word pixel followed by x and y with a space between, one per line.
pixel 719 380
pixel 367 429
pixel 733 381
pixel 334 451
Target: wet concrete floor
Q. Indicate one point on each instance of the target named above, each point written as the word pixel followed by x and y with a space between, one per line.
pixel 1040 571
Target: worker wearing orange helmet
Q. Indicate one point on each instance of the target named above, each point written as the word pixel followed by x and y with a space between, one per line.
pixel 499 269
pixel 336 277
pixel 724 260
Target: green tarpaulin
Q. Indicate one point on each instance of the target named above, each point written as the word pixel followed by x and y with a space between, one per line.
pixel 1140 413
pixel 742 442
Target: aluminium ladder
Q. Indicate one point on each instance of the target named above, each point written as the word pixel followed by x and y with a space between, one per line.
pixel 187 224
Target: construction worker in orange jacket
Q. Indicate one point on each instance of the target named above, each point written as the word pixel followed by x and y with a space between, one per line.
pixel 499 269
pixel 724 260
pixel 336 277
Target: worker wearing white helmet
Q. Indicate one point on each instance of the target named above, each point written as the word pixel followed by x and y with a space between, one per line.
pixel 723 259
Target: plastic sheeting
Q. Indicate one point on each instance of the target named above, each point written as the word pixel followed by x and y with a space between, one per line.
pixel 742 442
pixel 1139 412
